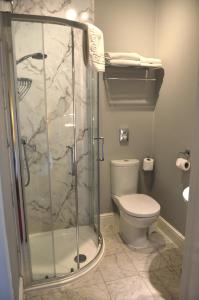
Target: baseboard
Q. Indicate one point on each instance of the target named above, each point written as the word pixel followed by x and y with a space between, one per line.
pixel 173 234
pixel 111 221
pixel 107 217
pixel 21 297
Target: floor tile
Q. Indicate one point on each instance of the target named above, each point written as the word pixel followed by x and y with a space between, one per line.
pixel 91 292
pixel 126 273
pixel 130 288
pixel 113 244
pixel 117 266
pixel 93 277
pixel 146 259
pixel 29 297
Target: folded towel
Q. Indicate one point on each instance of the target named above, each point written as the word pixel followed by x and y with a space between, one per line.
pixel 122 55
pixel 150 60
pixel 123 62
pixel 131 56
pixel 95 48
pixel 145 64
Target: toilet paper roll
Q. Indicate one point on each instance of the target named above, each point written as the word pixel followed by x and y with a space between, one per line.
pixel 148 164
pixel 183 164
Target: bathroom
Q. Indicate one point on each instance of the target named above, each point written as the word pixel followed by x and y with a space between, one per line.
pixel 62 235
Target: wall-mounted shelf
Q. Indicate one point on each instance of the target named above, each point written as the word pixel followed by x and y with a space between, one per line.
pixel 143 71
pixel 132 85
pixel 127 78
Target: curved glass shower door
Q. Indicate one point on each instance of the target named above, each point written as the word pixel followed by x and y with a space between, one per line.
pixel 44 58
pixel 57 115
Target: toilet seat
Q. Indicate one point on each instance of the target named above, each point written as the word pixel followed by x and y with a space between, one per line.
pixel 138 205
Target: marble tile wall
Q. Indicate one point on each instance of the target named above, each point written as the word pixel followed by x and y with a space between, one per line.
pixel 56 8
pixel 46 116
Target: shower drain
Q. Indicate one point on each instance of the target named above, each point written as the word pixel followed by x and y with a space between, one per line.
pixel 82 258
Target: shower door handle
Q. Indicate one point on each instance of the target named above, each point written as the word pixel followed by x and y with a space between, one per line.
pixel 71 148
pixel 24 143
pixel 98 139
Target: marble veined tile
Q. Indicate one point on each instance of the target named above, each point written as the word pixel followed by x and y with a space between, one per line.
pixel 51 159
pixel 93 277
pixel 32 297
pixel 130 288
pixel 90 292
pixel 146 259
pixel 113 244
pixel 56 8
pixel 116 266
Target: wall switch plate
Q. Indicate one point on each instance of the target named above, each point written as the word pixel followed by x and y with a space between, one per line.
pixel 123 136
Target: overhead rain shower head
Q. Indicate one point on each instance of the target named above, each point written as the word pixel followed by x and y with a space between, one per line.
pixel 23 85
pixel 36 55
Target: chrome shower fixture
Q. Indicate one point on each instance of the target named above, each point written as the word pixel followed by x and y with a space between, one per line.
pixel 24 84
pixel 36 55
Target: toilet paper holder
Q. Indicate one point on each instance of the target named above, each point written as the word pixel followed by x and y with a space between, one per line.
pixel 186 153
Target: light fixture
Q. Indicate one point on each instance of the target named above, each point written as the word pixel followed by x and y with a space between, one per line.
pixel 69 125
pixel 71 14
pixel 84 16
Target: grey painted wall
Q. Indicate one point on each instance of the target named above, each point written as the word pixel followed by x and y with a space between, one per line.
pixel 166 29
pixel 177 45
pixel 128 26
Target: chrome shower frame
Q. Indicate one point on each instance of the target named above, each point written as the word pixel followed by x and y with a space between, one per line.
pixel 10 84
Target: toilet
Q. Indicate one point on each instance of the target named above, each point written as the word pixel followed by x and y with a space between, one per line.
pixel 137 211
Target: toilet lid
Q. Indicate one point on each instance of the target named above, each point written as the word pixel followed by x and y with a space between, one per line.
pixel 139 205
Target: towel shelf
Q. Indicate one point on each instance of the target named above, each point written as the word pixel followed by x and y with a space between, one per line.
pixel 134 67
pixel 136 86
pixel 126 78
pixel 134 73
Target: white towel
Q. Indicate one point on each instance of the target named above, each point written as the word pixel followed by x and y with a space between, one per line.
pixel 95 48
pixel 150 60
pixel 122 55
pixel 145 64
pixel 123 62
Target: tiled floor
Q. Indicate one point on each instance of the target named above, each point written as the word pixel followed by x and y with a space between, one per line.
pixel 126 274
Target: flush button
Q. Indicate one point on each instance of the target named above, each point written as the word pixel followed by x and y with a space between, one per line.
pixel 123 136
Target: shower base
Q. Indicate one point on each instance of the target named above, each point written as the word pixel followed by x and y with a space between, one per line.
pixel 64 241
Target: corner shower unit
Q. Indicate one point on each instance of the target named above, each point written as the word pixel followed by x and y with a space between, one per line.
pixel 52 108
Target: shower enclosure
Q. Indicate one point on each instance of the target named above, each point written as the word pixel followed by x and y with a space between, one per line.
pixel 53 105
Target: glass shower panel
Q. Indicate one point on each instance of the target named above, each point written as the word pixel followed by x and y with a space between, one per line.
pixel 60 116
pixel 94 112
pixel 88 239
pixel 32 122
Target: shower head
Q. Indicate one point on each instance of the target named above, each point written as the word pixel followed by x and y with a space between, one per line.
pixel 37 55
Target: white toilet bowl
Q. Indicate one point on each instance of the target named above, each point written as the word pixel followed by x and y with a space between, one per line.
pixel 137 213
